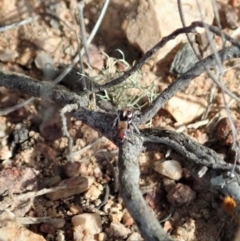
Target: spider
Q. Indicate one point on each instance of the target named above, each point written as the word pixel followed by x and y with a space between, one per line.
pixel 124 121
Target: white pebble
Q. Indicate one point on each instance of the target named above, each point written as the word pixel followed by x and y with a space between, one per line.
pixel 170 168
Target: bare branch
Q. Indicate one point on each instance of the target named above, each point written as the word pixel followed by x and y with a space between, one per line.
pixel 129 172
pixel 190 153
pixel 184 79
pixel 18 24
pixel 186 147
pixel 190 29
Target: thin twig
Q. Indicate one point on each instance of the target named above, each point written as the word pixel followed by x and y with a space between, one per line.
pixel 63 111
pixel 8 110
pixel 18 24
pixel 76 59
pixel 189 29
pixel 184 79
pixel 84 149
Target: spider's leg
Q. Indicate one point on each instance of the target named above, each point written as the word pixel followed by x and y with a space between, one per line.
pixel 135 128
pixel 115 122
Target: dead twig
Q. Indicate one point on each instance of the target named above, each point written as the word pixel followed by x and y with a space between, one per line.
pixel 184 79
pixel 189 29
pixel 129 172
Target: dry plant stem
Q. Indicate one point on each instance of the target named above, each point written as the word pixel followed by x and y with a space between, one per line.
pixel 75 61
pixel 63 111
pixel 16 107
pixel 84 149
pixel 218 60
pixel 33 220
pixel 186 147
pixel 85 45
pixel 184 79
pixel 219 64
pixel 189 29
pixel 98 120
pixel 84 40
pixel 82 28
pixel 101 122
pixel 92 35
pixel 18 24
pixel 106 197
pixel 189 152
pixel 129 172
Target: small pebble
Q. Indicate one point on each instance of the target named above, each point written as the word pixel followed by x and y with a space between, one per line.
pixel 170 168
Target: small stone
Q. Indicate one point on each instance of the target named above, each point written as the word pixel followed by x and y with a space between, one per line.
pixel 52 181
pixel 167 227
pixel 92 193
pixel 89 222
pixel 170 168
pixel 5 153
pixel 118 230
pixel 127 219
pixel 74 185
pixel 168 183
pixel 7 55
pixel 17 180
pixel 75 209
pixel 187 231
pixel 97 202
pixel 26 57
pixel 49 44
pixel 224 131
pixel 181 195
pixel 47 228
pixel 12 231
pixel 149 21
pixel 135 236
pixel 115 215
pixel 185 110
pixel 184 60
pixel 101 237
pixel 71 169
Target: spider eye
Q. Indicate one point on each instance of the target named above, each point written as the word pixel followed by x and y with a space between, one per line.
pixel 129 114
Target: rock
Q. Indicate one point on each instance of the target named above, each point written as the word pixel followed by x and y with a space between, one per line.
pixel 115 215
pixel 149 21
pixel 74 185
pixel 7 55
pixel 26 57
pixel 181 195
pixel 101 237
pixel 17 180
pixel 12 231
pixel 49 44
pixel 95 57
pixel 45 62
pixel 90 223
pixel 93 193
pixel 168 184
pixel 170 168
pixel 184 60
pixel 51 181
pixel 184 108
pixel 135 236
pixel 47 228
pixel 118 230
pixel 72 169
pixel 187 231
pixel 167 227
pixel 224 131
pixel 5 153
pixel 127 219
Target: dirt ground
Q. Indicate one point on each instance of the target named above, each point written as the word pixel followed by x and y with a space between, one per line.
pixel 31 137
